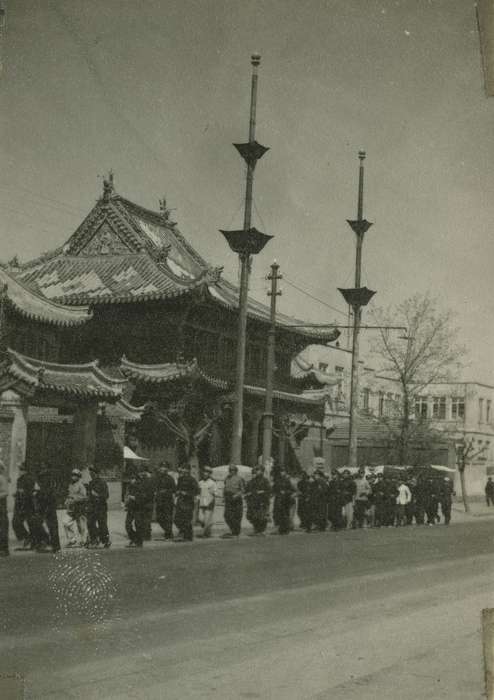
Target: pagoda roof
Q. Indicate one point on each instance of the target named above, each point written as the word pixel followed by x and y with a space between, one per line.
pixel 82 381
pixel 108 279
pixel 123 252
pixel 168 372
pixel 34 305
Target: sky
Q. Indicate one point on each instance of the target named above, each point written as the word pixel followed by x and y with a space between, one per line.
pixel 158 91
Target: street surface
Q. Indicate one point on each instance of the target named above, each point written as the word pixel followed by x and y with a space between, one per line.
pixel 390 613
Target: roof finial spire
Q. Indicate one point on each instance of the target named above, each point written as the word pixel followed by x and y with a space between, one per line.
pixel 165 212
pixel 108 188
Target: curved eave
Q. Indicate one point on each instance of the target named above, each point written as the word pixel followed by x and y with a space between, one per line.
pixel 261 315
pixel 36 307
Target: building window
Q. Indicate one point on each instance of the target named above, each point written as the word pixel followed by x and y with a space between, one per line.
pixel 381 403
pixel 457 407
pixel 421 407
pixel 366 399
pixel 481 410
pixel 389 405
pixel 488 411
pixel 339 370
pixel 439 407
pixel 323 366
pixel 228 353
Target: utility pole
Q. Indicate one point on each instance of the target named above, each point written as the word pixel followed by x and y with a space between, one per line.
pixel 246 242
pixel 267 435
pixel 357 298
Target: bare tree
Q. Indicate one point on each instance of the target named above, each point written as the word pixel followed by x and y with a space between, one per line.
pixel 465 454
pixel 429 353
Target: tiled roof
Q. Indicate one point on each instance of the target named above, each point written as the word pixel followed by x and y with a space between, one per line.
pixel 123 252
pixel 104 279
pixel 29 375
pixel 226 293
pixel 168 372
pixel 123 410
pixel 35 306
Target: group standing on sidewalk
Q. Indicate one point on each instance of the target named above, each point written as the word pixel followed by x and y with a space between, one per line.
pixel 339 501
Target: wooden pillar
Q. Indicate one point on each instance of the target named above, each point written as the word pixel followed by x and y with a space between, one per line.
pixel 13 434
pixel 84 444
pixel 255 421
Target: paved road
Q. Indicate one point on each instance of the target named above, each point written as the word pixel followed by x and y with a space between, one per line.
pixel 366 614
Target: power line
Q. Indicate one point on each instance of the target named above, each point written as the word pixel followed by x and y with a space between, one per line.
pixel 311 296
pixel 70 209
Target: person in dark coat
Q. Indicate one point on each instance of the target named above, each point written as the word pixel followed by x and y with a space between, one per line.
pixel 258 494
pixel 303 506
pixel 234 504
pixel 489 491
pixel 390 488
pixel 24 514
pixel 420 499
pixel 149 492
pixel 97 521
pixel 335 504
pixel 431 502
pixel 134 503
pixel 187 493
pixel 319 501
pixel 165 493
pixel 283 491
pixel 46 511
pixel 446 499
pixel 378 498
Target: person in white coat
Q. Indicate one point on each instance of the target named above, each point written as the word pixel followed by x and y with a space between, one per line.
pixel 207 501
pixel 403 498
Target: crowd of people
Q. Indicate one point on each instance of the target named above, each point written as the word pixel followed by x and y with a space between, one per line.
pixel 337 501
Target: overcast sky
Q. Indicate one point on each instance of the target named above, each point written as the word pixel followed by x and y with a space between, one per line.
pixel 158 90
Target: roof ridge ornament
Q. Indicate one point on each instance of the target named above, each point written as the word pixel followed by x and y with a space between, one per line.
pixel 108 187
pixel 213 274
pixel 165 212
pixel 161 256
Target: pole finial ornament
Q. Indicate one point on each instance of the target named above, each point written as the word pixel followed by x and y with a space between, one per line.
pixel 361 155
pixel 255 59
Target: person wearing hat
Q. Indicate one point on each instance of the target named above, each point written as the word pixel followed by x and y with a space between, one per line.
pixel 97 521
pixel 46 511
pixel 4 518
pixel 257 496
pixel 135 518
pixel 446 494
pixel 284 493
pixel 234 504
pixel 165 492
pixel 348 491
pixel 207 501
pixel 187 493
pixel 318 501
pixel 24 516
pixel 75 522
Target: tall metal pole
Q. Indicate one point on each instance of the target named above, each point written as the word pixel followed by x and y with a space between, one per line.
pixel 267 435
pixel 357 317
pixel 236 450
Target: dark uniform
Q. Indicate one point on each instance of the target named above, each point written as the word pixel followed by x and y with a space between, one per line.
pixel 335 503
pixel 431 502
pixel 149 491
pixel 319 501
pixel 389 504
pixel 420 499
pixel 234 504
pixel 187 491
pixel 165 492
pixel 24 513
pixel 446 499
pixel 258 493
pixel 97 518
pixel 46 512
pixel 134 521
pixel 283 498
pixel 303 506
pixel 378 498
